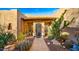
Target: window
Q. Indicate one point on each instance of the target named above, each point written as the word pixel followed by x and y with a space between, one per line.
pixel 9 26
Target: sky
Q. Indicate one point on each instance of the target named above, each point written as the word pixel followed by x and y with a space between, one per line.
pixel 35 11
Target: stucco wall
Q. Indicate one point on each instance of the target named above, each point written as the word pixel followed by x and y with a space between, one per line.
pixel 9 16
pixel 20 21
pixel 13 17
pixel 72 12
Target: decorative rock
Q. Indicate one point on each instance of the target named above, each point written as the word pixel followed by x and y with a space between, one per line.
pixel 56 42
pixel 9 47
pixel 48 43
pixel 51 40
pixel 75 47
pixel 1 49
pixel 64 47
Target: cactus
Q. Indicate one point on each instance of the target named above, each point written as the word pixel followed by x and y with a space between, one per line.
pixel 56 26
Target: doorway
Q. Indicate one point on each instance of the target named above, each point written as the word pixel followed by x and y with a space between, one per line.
pixel 38 30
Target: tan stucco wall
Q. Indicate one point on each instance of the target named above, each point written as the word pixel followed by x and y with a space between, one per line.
pixel 20 21
pixel 72 12
pixel 58 13
pixel 13 17
pixel 9 16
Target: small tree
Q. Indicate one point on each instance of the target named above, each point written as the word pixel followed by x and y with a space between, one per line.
pixel 56 28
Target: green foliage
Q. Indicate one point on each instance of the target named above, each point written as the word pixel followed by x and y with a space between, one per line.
pixel 64 35
pixel 24 45
pixel 50 37
pixel 66 23
pixel 2 44
pixel 56 27
pixel 2 28
pixel 68 44
pixel 5 37
pixel 21 36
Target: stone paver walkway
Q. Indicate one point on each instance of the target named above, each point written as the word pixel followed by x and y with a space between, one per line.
pixel 39 45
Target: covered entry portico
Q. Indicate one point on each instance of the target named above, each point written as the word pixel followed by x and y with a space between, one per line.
pixel 36 26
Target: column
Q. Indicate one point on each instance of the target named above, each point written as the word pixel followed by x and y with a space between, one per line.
pixel 34 29
pixel 43 27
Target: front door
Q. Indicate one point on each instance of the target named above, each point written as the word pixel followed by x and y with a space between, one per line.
pixel 38 30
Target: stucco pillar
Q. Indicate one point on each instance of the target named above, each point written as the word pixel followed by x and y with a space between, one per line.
pixel 43 27
pixel 34 29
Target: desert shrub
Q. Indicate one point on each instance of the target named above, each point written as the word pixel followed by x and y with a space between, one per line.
pixel 50 37
pixel 5 37
pixel 24 46
pixel 64 35
pixel 68 44
pixel 2 44
pixel 20 37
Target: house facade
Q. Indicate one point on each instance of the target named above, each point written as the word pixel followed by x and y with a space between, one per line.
pixel 36 26
pixel 11 20
pixel 17 22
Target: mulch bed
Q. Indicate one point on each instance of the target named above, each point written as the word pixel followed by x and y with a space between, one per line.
pixel 53 47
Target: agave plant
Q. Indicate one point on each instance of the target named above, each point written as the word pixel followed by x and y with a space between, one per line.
pixel 5 37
